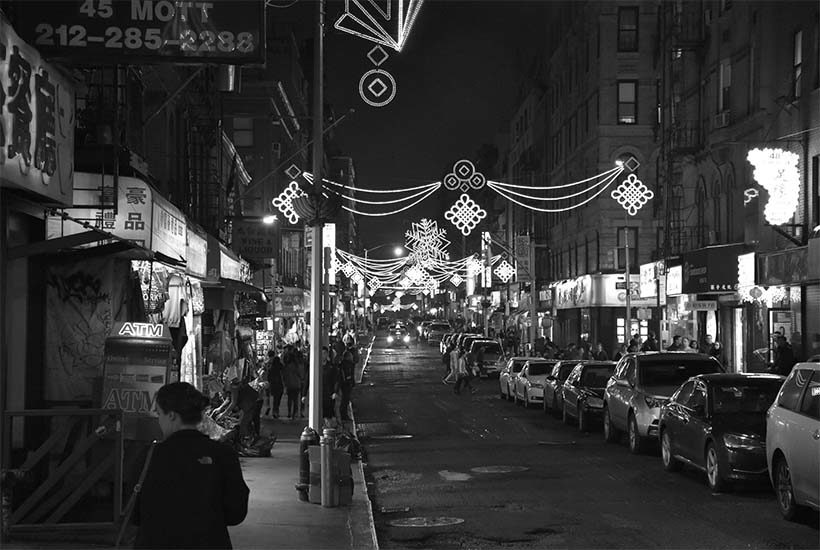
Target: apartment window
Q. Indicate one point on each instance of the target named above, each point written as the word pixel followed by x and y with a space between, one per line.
pixel 632 234
pixel 797 64
pixel 725 85
pixel 628 29
pixel 243 132
pixel 627 102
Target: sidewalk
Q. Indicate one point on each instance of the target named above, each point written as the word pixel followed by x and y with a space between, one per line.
pixel 276 517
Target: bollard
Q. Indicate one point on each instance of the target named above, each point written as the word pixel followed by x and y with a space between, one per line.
pixel 328 479
pixel 309 437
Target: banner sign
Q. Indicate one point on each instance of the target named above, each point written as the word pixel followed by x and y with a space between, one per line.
pixel 522 258
pixel 36 122
pixel 146 31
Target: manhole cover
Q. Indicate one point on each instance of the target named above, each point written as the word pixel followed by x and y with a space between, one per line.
pixel 498 469
pixel 391 436
pixel 425 522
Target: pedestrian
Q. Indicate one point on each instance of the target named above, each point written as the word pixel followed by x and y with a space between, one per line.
pixel 684 344
pixel 303 361
pixel 622 350
pixel 276 386
pixel 330 385
pixel 651 343
pixel 479 361
pixel 716 351
pixel 600 353
pixel 193 487
pixel 347 379
pixel 783 357
pixel 706 345
pixel 292 378
pixel 463 374
pixel 676 343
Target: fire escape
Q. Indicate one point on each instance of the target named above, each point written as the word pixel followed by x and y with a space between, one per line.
pixel 207 198
pixel 682 39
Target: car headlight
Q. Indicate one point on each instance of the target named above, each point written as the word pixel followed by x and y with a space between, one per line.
pixel 595 402
pixel 653 402
pixel 738 441
pixel 389 339
pixel 407 338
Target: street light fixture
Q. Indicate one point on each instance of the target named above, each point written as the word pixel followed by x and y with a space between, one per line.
pixel 269 219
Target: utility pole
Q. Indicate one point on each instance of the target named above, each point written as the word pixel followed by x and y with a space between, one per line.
pixel 317 251
pixel 533 295
pixel 628 319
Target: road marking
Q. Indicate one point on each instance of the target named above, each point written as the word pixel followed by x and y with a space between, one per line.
pixel 447 475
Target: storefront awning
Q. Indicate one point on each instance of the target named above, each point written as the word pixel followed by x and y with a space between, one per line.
pixel 236 286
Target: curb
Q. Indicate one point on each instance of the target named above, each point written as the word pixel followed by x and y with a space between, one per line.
pixel 357 534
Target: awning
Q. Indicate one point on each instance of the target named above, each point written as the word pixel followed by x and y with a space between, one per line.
pixel 236 286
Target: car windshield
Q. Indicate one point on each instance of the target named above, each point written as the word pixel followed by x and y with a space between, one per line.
pixel 673 372
pixel 564 370
pixel 518 365
pixel 539 369
pixel 745 398
pixel 596 376
pixel 489 347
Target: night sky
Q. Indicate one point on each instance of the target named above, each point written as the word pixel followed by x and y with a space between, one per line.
pixel 458 80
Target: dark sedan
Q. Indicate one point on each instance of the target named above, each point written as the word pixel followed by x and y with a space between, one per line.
pixel 583 393
pixel 553 394
pixel 717 423
pixel 397 335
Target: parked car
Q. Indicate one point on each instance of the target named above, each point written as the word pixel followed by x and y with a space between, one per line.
pixel 492 354
pixel 553 398
pixel 793 441
pixel 583 393
pixel 435 331
pixel 529 384
pixel 397 335
pixel 717 423
pixel 506 377
pixel 642 382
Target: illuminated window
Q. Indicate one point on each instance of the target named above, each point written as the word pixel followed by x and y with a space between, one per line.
pixel 628 29
pixel 627 102
pixel 243 132
pixel 797 64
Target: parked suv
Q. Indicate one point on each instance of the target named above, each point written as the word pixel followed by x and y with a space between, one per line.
pixel 641 384
pixel 435 331
pixel 793 441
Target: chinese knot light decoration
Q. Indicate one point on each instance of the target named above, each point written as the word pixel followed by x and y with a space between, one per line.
pixel 777 172
pixel 632 194
pixel 465 214
pixel 284 201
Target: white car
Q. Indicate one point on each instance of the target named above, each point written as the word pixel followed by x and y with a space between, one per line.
pixel 529 384
pixel 509 372
pixel 793 441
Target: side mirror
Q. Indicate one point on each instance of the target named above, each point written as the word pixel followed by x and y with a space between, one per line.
pixel 623 382
pixel 550 377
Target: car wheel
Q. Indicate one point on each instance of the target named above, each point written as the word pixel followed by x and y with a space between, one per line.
pixel 526 400
pixel 501 392
pixel 636 442
pixel 714 474
pixel 611 434
pixel 554 407
pixel 565 415
pixel 785 493
pixel 670 463
pixel 583 420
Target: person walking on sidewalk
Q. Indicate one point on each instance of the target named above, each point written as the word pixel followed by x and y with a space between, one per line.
pixel 277 386
pixel 292 378
pixel 347 380
pixel 330 385
pixel 193 489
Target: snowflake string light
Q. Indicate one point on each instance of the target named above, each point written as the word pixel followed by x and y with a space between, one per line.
pixel 465 214
pixel 504 271
pixel 632 194
pixel 426 242
pixel 284 201
pixel 777 172
pixel 456 280
pixel 464 176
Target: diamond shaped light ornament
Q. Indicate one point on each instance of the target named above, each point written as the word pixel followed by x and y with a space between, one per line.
pixel 374 284
pixel 284 201
pixel 356 278
pixel 456 280
pixel 465 214
pixel 348 269
pixel 632 194
pixel 504 271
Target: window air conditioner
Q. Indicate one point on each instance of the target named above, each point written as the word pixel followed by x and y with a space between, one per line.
pixel 723 119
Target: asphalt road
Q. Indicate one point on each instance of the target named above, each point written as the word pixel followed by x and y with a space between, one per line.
pixel 475 471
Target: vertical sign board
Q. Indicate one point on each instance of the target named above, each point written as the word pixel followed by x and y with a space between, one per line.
pixel 36 122
pixel 145 31
pixel 522 258
pixel 254 240
pixel 137 362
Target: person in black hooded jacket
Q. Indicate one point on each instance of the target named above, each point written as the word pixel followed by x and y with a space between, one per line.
pixel 194 487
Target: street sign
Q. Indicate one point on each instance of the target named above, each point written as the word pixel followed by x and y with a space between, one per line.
pixel 620 285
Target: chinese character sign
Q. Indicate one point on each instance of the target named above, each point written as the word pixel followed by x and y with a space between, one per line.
pixel 36 122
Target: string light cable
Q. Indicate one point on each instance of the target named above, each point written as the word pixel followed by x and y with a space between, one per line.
pixel 504 194
pixel 605 181
pixel 562 186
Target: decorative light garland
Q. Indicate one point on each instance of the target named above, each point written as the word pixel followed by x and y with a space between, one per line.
pixel 777 172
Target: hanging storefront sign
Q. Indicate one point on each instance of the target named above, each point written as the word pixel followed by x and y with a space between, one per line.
pixel 783 267
pixel 648 276
pixel 254 239
pixel 142 216
pixel 674 280
pixel 146 31
pixel 522 258
pixel 37 103
pixel 711 269
pixel 598 291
